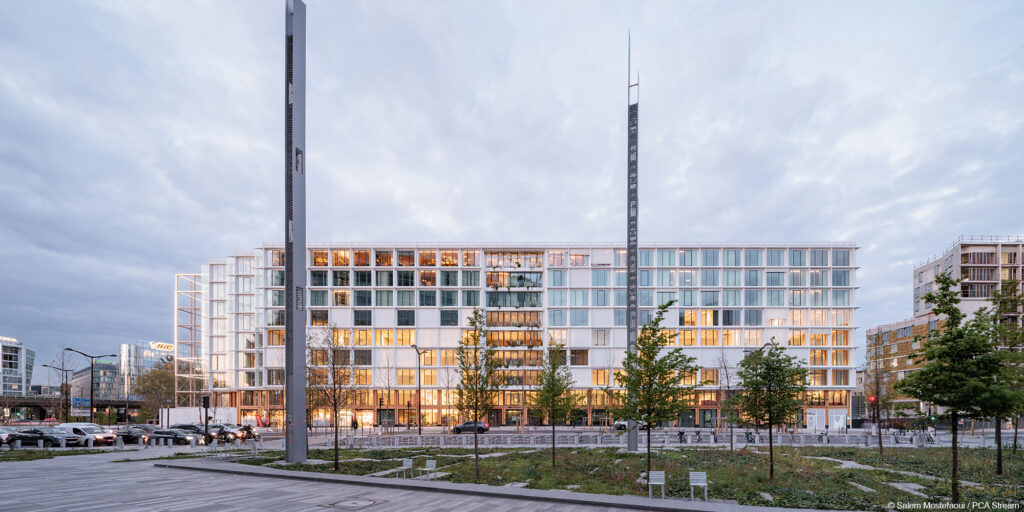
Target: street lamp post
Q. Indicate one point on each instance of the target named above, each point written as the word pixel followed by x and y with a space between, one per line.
pixel 65 387
pixel 92 376
pixel 419 389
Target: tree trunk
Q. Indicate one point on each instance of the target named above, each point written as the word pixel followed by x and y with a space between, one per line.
pixel 953 480
pixel 999 446
pixel 552 441
pixel 649 451
pixel 771 453
pixel 336 439
pixel 476 446
pixel 1016 425
pixel 878 420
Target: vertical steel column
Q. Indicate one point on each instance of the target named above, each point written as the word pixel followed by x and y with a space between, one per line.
pixel 295 231
pixel 632 211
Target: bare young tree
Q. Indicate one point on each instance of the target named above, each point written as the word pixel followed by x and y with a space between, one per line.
pixel 878 382
pixel 330 378
pixel 724 390
pixel 386 381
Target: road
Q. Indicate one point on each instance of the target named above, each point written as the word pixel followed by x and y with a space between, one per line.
pixel 83 483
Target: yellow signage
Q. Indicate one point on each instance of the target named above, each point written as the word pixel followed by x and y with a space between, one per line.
pixel 166 347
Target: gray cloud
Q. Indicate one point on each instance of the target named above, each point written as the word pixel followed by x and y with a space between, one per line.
pixel 141 139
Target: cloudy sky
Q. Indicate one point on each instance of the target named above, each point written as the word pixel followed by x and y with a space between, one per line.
pixel 140 139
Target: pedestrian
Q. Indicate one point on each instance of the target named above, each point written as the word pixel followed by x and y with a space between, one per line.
pixel 355 424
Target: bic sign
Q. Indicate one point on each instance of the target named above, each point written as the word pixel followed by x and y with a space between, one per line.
pixel 166 347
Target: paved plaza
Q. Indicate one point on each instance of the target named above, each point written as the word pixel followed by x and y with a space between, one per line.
pixel 92 482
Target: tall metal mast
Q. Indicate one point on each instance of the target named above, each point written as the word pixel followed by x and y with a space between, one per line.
pixel 295 231
pixel 632 211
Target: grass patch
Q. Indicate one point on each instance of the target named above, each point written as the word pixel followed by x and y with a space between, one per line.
pixel 23 455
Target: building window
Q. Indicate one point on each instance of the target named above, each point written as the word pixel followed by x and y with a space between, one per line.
pixel 752 297
pixel 449 278
pixel 406 377
pixel 340 277
pixel 470 298
pixel 470 258
pixel 449 318
pixel 819 257
pixel 318 317
pixel 470 278
pixel 428 258
pixel 841 338
pixel 775 279
pixel 619 318
pixel 709 257
pixel 428 377
pixel 318 278
pixel 752 257
pixel 275 317
pixel 840 257
pixel 361 338
pixel 709 317
pixel 688 317
pixel 406 258
pixel 687 338
pixel 385 278
pixel 361 258
pixel 796 298
pixel 645 258
pixel 405 337
pixel 731 298
pixel 817 378
pixel 840 378
pixel 753 317
pixel 709 277
pixel 340 258
pixel 599 337
pixel 362 317
pixel 428 278
pixel 578 357
pixel 797 338
pixel 579 260
pixel 708 298
pixel 383 258
pixel 318 298
pixel 277 258
pixel 776 298
pixel 428 298
pixel 709 377
pixel 645 298
pixel 819 357
pixel 730 317
pixel 556 298
pixel 840 358
pixel 840 298
pixel 385 337
pixel 342 337
pixel 363 297
pixel 275 338
pixel 362 278
pixel 753 337
pixel 666 258
pixel 599 297
pixel 687 297
pixel 449 258
pixel 797 258
pixel 709 338
pixel 406 317
pixel 599 377
pixel 556 317
pixel 688 258
pixel 384 298
pixel 449 298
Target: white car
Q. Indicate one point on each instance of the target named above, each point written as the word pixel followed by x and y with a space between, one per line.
pixel 86 430
pixel 623 425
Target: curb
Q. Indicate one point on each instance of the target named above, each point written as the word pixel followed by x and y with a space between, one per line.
pixel 549 496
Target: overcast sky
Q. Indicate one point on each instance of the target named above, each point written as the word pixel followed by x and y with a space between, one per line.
pixel 141 139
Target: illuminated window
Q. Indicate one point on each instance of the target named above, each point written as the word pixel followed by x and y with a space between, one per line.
pixel 406 377
pixel 687 338
pixel 406 258
pixel 470 258
pixel 840 378
pixel 688 379
pixel 318 258
pixel 730 337
pixel 449 357
pixel 709 337
pixel 599 377
pixel 709 317
pixel 669 336
pixel 840 317
pixel 275 338
pixel 277 258
pixel 556 259
pixel 428 278
pixel 579 260
pixel 342 337
pixel 361 258
pixel 840 358
pixel 428 377
pixel 340 258
pixel 383 258
pixel 449 258
pixel 688 317
pixel 318 317
pixel 797 338
pixel 361 338
pixel 340 278
pixel 819 357
pixel 385 338
pixel 363 377
pixel 709 377
pixel 819 340
pixel 797 317
pixel 578 357
pixel 817 378
pixel 840 338
pixel 428 258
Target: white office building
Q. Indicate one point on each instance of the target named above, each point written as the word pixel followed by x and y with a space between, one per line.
pixel 377 300
pixel 18 362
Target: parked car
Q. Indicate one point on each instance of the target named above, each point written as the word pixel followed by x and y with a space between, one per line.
pixel 469 426
pixel 145 426
pixel 50 436
pixel 84 431
pixel 176 436
pixel 133 435
pixel 623 425
pixel 4 432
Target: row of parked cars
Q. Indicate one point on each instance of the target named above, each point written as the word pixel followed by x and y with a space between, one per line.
pixel 79 434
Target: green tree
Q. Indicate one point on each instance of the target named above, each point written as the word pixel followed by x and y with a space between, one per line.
pixel 1004 397
pixel 652 379
pixel 960 365
pixel 480 381
pixel 554 395
pixel 156 386
pixel 773 385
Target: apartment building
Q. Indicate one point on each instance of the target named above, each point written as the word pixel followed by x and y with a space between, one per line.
pixel 982 262
pixel 889 348
pixel 377 300
pixel 18 362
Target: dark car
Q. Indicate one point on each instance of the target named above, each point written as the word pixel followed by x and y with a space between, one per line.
pixel 50 436
pixel 132 435
pixel 175 436
pixel 469 426
pixel 143 426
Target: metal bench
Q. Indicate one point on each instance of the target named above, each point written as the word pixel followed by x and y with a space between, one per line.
pixel 699 479
pixel 429 469
pixel 406 467
pixel 655 478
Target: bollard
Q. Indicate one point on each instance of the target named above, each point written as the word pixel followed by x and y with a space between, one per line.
pixel 191 443
pixel 63 443
pixel 152 441
pixel 17 444
pixel 89 442
pixel 39 443
pixel 119 443
pixel 237 444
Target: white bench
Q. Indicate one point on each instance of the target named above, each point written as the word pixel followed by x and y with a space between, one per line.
pixel 655 478
pixel 699 479
pixel 430 469
pixel 406 467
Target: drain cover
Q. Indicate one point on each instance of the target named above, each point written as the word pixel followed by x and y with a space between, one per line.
pixel 353 503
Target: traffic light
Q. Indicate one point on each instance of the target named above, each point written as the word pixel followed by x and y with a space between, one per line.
pixel 381 402
pixel 872 398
